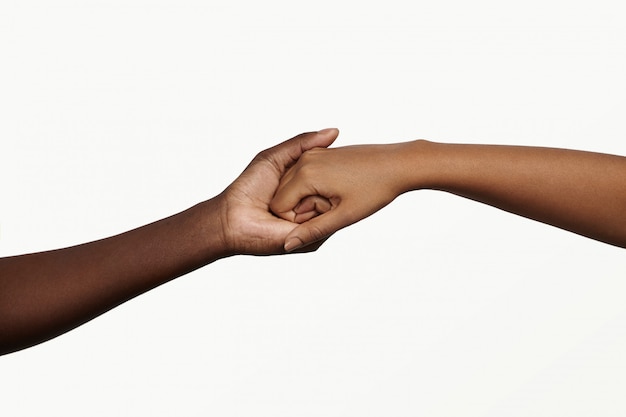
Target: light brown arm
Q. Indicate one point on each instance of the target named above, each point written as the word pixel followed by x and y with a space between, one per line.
pixel 583 192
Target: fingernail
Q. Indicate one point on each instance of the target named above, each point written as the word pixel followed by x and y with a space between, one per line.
pixel 325 131
pixel 293 244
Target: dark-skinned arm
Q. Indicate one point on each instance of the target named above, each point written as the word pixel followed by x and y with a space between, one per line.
pixel 46 294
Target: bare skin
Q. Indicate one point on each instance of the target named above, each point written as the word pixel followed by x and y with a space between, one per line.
pixel 46 294
pixel 328 189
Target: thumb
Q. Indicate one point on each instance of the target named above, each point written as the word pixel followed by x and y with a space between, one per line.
pixel 321 139
pixel 316 229
pixel 287 153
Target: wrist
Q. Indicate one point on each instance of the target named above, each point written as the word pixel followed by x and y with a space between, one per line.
pixel 415 166
pixel 213 225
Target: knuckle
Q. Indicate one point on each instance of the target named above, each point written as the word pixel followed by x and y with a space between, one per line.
pixel 306 156
pixel 264 155
pixel 316 233
pixel 311 155
pixel 268 157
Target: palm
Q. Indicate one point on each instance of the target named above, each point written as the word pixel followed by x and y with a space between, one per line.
pixel 248 225
pixel 254 228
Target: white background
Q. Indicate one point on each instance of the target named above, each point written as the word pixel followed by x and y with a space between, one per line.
pixel 117 113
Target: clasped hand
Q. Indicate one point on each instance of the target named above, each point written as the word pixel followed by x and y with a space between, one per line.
pixel 311 191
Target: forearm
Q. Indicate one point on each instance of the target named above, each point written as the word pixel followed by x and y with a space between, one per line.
pixel 45 294
pixel 583 192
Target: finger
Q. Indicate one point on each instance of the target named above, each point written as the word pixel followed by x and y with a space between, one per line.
pixel 317 229
pixel 289 195
pixel 305 217
pixel 289 174
pixel 285 154
pixel 313 203
pixel 312 247
pixel 311 206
